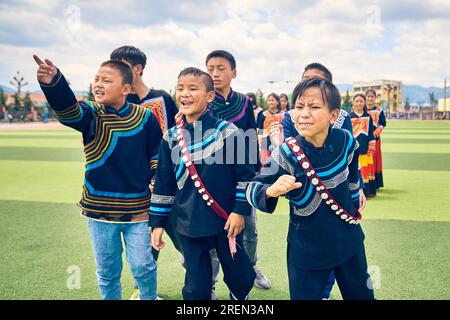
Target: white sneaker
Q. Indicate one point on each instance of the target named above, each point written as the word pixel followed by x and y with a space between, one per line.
pixel 261 280
pixel 135 296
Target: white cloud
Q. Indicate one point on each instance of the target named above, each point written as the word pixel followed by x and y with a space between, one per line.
pixel 271 41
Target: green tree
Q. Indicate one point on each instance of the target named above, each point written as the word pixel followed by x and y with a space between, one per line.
pixel 433 100
pixel 27 103
pixel 347 103
pixel 3 98
pixel 90 94
pixel 407 104
pixel 260 100
pixel 17 105
pixel 18 82
pixel 174 95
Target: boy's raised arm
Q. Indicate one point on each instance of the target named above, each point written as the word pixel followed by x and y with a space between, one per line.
pixel 54 85
pixel 60 97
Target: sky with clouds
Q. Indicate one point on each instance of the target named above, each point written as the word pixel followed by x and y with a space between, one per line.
pixel 271 40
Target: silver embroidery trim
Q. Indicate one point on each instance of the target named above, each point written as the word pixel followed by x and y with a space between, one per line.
pixel 282 161
pixel 354 186
pixel 156 198
pixel 336 180
pixel 248 192
pixel 215 145
pixel 310 208
pixel 212 147
pixel 243 185
pixel 182 179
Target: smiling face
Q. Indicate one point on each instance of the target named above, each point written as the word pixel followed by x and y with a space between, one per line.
pixel 192 96
pixel 284 103
pixel 272 104
pixel 370 99
pixel 220 70
pixel 108 87
pixel 358 104
pixel 312 115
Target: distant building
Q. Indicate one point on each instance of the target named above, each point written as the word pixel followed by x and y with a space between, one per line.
pixel 37 98
pixel 389 93
pixel 444 105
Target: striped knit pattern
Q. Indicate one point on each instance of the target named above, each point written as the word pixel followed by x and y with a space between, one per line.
pixel 109 128
pixel 71 114
pixel 115 204
pixel 161 205
pixel 240 191
pixel 234 110
pixel 121 148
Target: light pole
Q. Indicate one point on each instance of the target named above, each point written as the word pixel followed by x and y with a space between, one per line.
pixel 445 99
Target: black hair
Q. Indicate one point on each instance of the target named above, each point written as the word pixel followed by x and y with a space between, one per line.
pixel 222 54
pixel 196 72
pixel 131 54
pixel 284 95
pixel 320 67
pixel 277 97
pixel 362 96
pixel 123 68
pixel 330 94
pixel 371 90
pixel 252 97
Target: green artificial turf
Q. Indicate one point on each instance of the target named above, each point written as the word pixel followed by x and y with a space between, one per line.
pixel 44 238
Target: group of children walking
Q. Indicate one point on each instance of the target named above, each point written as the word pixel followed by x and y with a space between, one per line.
pixel 197 174
pixel 366 122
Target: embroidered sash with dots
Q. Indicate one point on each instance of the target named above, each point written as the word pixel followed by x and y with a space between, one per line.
pixel 318 185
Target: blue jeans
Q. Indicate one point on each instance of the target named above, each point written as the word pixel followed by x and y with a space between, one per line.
pixel 107 244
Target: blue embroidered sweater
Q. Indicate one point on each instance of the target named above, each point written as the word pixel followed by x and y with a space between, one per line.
pixel 121 148
pixel 320 239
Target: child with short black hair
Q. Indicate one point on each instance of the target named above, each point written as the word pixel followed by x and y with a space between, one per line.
pixel 158 101
pixel 318 172
pixel 121 142
pixel 316 70
pixel 201 179
pixel 237 108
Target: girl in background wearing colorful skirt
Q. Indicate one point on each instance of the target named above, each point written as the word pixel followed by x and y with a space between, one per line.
pixel 270 130
pixel 363 131
pixel 379 123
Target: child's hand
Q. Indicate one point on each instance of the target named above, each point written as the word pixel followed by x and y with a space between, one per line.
pixel 178 117
pixel 283 185
pixel 235 224
pixel 152 185
pixel 46 70
pixel 276 137
pixel 362 200
pixel 157 241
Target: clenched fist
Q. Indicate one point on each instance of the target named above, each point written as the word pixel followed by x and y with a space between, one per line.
pixel 283 185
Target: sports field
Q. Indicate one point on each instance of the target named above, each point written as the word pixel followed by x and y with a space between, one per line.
pixel 44 239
